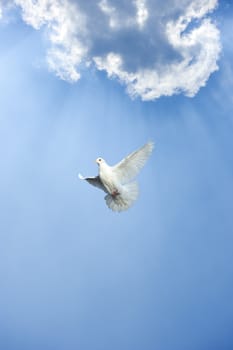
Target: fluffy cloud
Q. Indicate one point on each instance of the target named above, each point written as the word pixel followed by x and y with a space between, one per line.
pixel 5 7
pixel 154 47
pixel 66 30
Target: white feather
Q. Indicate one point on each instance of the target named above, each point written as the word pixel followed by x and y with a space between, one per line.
pixel 125 199
pixel 130 166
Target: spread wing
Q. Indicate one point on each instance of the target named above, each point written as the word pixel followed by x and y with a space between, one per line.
pixel 94 180
pixel 130 166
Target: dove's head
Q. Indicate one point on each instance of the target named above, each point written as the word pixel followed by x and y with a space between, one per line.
pixel 100 161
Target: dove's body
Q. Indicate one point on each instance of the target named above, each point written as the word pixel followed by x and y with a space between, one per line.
pixel 109 179
pixel 116 180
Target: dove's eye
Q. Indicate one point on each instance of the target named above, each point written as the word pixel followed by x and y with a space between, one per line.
pixel 100 159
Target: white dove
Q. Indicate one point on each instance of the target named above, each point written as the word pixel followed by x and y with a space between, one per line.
pixel 116 180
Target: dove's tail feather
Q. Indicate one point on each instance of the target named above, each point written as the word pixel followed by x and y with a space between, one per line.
pixel 125 199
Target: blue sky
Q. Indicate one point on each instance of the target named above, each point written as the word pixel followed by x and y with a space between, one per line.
pixel 75 275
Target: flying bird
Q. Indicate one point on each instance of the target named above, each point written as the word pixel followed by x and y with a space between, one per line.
pixel 117 181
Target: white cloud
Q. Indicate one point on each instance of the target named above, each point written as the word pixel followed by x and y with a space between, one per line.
pixel 118 19
pixel 142 12
pixel 198 48
pixel 66 30
pixel 155 48
pixel 5 8
pixel 110 12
